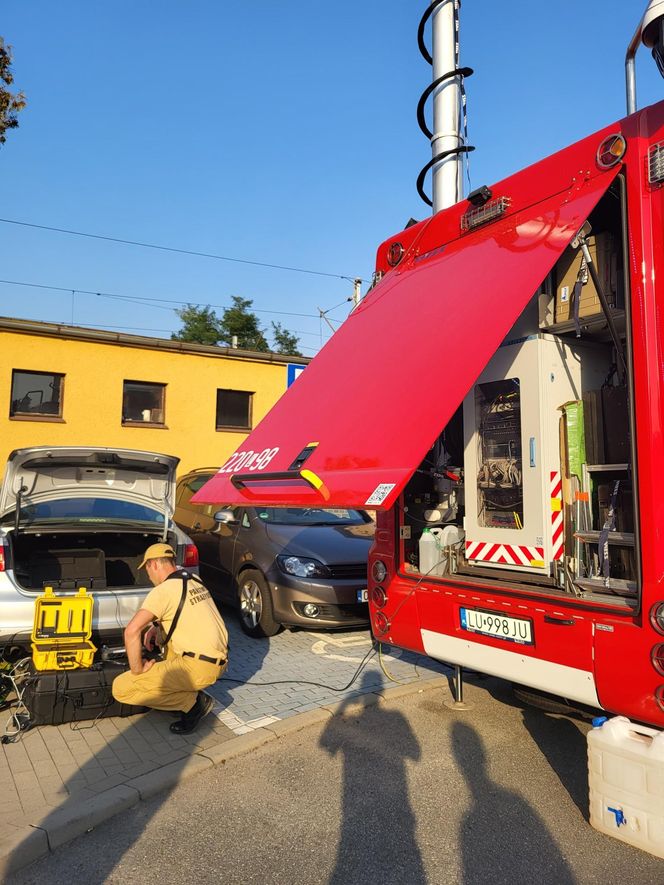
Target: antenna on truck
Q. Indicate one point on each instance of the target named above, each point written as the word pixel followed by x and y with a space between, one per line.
pixel 650 32
pixel 449 105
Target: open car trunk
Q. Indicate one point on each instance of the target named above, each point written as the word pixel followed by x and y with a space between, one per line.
pixel 98 560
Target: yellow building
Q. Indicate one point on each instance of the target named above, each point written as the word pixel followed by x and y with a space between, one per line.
pixel 64 385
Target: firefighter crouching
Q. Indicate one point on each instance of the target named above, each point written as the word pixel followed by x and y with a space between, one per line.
pixel 181 608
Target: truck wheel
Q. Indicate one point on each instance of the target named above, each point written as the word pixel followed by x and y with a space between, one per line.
pixel 256 610
pixel 548 703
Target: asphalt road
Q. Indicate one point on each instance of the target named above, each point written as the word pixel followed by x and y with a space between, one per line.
pixel 407 791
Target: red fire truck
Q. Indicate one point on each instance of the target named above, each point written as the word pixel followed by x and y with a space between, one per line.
pixel 498 398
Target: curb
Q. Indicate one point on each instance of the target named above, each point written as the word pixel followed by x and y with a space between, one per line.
pixel 20 846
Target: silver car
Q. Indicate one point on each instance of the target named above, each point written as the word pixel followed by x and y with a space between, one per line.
pixel 83 516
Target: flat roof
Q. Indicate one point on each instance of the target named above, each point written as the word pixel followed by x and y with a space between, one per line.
pixel 102 336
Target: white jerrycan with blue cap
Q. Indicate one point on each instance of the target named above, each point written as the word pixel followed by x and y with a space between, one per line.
pixel 626 781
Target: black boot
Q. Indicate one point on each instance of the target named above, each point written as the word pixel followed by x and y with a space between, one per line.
pixel 189 721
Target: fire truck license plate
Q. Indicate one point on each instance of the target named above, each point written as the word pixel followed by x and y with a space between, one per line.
pixel 499 626
pixel 363 595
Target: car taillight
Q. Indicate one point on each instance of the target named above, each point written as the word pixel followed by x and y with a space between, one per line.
pixel 3 558
pixel 190 555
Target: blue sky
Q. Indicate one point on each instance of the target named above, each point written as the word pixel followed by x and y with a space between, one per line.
pixel 280 132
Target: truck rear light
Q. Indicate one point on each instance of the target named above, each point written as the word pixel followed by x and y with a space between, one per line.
pixel 657 658
pixel 659 697
pixel 379 571
pixel 394 254
pixel 381 624
pixel 656 163
pixel 378 597
pixel 611 151
pixel 190 555
pixel 657 617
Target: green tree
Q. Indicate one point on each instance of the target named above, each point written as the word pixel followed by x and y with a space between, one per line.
pixel 284 341
pixel 10 102
pixel 238 320
pixel 200 324
pixel 203 326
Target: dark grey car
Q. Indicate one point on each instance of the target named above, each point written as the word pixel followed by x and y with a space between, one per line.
pixel 303 567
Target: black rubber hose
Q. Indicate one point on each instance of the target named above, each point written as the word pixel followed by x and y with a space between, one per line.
pixel 421 120
pixel 420 31
pixel 462 149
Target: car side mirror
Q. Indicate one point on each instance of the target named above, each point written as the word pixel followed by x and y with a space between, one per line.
pixel 225 517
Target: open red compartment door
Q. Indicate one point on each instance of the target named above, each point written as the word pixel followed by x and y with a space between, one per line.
pixel 364 413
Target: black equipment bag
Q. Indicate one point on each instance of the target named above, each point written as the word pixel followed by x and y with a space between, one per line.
pixel 56 696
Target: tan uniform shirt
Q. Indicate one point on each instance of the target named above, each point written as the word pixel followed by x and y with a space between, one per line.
pixel 200 627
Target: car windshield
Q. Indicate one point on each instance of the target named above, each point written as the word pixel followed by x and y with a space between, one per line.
pixel 311 516
pixel 87 510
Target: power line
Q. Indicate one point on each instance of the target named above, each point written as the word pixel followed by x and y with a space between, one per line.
pixel 165 331
pixel 150 302
pixel 159 302
pixel 139 299
pixel 78 233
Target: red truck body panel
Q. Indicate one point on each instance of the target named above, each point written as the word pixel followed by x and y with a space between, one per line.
pixel 370 405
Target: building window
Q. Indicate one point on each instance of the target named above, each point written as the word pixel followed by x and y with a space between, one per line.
pixel 234 409
pixel 36 394
pixel 143 402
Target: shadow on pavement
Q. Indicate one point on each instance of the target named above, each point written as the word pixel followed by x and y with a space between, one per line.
pixel 143 745
pixel 375 744
pixel 502 839
pixel 246 656
pixel 559 739
pixel 565 749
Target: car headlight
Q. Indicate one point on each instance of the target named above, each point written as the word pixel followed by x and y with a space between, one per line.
pixel 302 567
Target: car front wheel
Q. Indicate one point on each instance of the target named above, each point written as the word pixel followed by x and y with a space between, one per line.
pixel 256 610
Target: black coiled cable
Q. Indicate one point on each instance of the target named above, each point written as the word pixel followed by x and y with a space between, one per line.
pixel 463 148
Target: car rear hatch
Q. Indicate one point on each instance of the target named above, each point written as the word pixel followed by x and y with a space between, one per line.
pixel 85 516
pixel 42 474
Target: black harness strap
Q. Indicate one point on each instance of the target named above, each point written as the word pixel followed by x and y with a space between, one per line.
pixel 185 580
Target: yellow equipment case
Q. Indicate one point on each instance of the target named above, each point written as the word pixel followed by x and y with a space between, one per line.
pixel 61 642
pixel 62 630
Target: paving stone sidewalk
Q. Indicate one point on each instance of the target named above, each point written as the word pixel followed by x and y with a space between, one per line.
pixel 325 661
pixel 58 781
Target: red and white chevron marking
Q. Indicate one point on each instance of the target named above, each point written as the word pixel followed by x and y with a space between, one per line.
pixel 557 527
pixel 505 554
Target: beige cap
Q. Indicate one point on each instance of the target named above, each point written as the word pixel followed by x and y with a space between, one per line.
pixel 156 551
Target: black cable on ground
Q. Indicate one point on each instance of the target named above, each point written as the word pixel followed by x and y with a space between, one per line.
pixel 365 660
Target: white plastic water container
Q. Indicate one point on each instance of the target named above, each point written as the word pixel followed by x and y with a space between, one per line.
pixel 451 535
pixel 432 556
pixel 434 548
pixel 626 780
